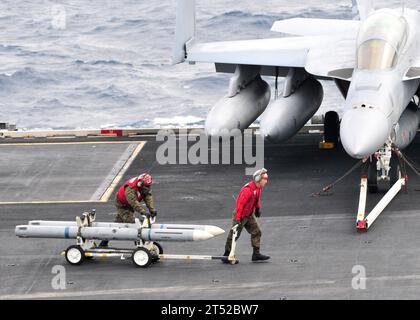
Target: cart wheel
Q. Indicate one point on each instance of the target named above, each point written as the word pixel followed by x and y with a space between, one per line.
pixel 157 248
pixel 156 251
pixel 142 258
pixel 75 255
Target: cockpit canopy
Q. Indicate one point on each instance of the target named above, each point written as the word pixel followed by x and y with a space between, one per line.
pixel 382 37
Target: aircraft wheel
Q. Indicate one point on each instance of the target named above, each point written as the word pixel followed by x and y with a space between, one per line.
pixel 142 257
pixel 331 127
pixel 75 255
pixel 395 171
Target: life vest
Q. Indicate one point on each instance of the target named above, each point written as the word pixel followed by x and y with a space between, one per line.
pixel 129 183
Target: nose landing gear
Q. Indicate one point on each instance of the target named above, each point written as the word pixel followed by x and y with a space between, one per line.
pixel 384 170
pixel 384 173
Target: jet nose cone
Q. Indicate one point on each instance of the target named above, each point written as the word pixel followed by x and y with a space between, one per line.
pixel 363 131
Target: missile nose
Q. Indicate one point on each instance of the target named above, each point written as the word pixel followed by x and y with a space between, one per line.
pixel 363 131
pixel 215 231
pixel 200 235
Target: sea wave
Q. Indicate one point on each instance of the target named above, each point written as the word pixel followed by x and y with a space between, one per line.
pixel 26 77
pixel 241 20
pixel 110 62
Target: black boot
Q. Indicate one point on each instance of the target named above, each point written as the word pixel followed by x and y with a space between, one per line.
pixel 103 244
pixel 257 256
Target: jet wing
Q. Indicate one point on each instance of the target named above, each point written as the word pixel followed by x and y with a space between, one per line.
pixel 335 59
pixel 316 27
pixel 317 50
pixel 322 56
pixel 281 52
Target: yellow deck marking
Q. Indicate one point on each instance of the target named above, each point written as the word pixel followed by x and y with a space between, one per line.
pixel 52 201
pixel 120 174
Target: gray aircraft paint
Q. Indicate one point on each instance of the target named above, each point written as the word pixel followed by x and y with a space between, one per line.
pixel 327 49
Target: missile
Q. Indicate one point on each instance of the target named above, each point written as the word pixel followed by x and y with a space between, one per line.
pixel 240 110
pixel 111 233
pixel 285 116
pixel 213 230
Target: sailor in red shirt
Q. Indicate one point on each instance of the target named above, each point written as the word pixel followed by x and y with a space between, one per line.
pixel 246 213
pixel 128 200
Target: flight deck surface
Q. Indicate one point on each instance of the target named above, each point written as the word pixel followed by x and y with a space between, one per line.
pixel 313 243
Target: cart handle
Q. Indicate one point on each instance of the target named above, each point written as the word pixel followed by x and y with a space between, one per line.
pixel 148 221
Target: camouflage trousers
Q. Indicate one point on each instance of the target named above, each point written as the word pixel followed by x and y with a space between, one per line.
pixel 252 226
pixel 124 214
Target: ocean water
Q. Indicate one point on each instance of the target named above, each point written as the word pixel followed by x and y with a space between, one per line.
pixel 86 64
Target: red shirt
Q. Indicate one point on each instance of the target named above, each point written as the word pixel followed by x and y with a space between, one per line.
pixel 248 200
pixel 121 192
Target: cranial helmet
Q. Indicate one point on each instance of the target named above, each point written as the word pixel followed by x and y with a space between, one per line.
pixel 145 180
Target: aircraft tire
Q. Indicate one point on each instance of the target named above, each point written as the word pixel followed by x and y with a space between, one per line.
pixel 331 127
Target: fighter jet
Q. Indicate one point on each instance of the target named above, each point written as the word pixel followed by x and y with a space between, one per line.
pixel 374 61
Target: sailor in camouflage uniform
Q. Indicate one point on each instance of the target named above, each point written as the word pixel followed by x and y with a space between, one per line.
pixel 128 200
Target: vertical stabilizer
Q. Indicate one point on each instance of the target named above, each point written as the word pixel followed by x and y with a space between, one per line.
pixel 185 29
